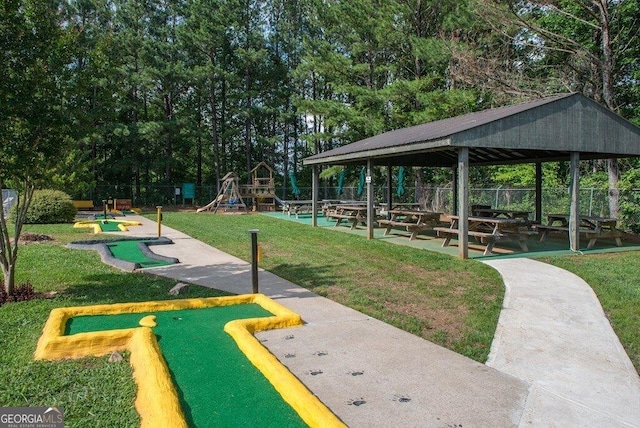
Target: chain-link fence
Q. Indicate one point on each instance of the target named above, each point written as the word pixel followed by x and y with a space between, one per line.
pixel 593 202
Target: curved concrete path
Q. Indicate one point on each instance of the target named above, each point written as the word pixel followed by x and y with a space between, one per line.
pixel 553 334
pixel 374 375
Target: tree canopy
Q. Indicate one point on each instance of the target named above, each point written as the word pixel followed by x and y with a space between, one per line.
pixel 168 91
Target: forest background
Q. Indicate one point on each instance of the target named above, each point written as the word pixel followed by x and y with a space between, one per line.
pixel 133 95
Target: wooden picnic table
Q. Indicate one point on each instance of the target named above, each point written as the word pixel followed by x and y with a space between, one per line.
pixel 353 213
pixel 295 207
pixel 489 230
pixel 330 205
pixel 592 227
pixel 413 221
pixel 496 213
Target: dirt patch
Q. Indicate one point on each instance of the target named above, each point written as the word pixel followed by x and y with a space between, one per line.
pixel 27 238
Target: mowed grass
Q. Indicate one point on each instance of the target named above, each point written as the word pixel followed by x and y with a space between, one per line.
pixel 452 302
pixel 615 278
pixel 449 301
pixel 455 303
pixel 92 391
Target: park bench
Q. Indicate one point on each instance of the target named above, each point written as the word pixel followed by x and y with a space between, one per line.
pixel 411 221
pixel 593 228
pixel 83 205
pixel 487 238
pixel 488 231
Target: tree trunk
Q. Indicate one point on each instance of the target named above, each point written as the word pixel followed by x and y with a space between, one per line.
pixel 9 245
pixel 608 65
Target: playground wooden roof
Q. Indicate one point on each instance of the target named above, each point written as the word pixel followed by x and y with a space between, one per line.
pixel 543 130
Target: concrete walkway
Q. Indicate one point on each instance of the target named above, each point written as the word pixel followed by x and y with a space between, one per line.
pixel 374 375
pixel 553 333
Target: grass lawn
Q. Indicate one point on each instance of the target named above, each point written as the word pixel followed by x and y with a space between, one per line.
pixel 449 301
pixel 446 300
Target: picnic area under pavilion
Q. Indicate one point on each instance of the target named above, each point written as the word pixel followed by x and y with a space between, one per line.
pixel 558 128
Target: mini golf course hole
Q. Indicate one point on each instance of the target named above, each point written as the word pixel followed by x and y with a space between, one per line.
pixel 106 225
pixel 216 383
pixel 207 370
pixel 128 254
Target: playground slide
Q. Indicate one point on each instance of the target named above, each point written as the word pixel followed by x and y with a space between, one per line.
pixel 210 204
pixel 279 201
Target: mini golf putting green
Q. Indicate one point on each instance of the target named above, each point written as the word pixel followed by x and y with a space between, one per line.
pixel 131 251
pixel 187 367
pixel 128 254
pixel 107 225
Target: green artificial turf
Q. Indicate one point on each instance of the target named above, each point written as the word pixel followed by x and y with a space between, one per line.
pixel 129 250
pixel 109 226
pixel 217 384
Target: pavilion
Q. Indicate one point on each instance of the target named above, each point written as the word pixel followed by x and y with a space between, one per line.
pixel 561 127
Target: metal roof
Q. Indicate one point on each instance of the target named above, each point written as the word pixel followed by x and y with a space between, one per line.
pixel 543 130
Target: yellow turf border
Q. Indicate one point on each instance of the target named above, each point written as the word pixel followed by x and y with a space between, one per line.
pixel 122 225
pixel 157 400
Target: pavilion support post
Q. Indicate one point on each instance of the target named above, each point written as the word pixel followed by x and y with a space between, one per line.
pixel 454 181
pixel 574 212
pixel 463 202
pixel 370 208
pixel 389 190
pixel 315 179
pixel 538 206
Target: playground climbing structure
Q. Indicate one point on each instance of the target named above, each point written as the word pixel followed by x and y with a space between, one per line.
pixel 228 198
pixel 262 190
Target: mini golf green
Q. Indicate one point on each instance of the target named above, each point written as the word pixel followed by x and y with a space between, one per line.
pixel 130 251
pixel 109 225
pixel 217 384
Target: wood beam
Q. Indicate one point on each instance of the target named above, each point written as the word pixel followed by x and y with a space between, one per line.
pixel 315 179
pixel 463 202
pixel 574 212
pixel 370 210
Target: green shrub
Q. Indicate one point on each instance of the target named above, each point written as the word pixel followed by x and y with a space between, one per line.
pixel 49 207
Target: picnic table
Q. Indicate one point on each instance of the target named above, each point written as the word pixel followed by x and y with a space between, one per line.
pixel 489 230
pixel 413 221
pixel 496 213
pixel 353 213
pixel 591 227
pixel 295 207
pixel 330 205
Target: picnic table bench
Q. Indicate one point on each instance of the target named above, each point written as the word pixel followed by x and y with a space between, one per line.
pixel 501 213
pixel 593 228
pixel 489 230
pixel 411 220
pixel 355 214
pixel 296 207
